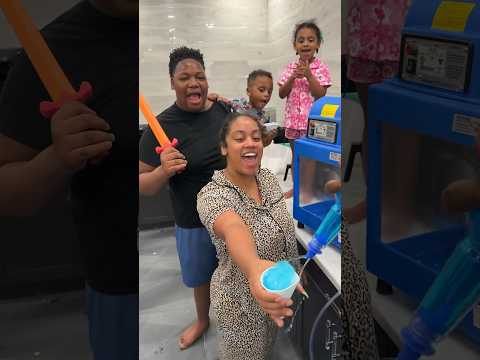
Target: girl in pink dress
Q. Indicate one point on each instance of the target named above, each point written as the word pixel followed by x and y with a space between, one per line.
pixel 373 48
pixel 302 82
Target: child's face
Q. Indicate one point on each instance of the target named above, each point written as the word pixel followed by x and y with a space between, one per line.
pixel 259 91
pixel 306 43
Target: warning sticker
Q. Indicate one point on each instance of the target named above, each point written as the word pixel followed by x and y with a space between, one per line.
pixel 464 124
pixel 329 110
pixel 452 15
pixel 334 156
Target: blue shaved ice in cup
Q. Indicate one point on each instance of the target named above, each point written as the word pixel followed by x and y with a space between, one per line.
pixel 281 279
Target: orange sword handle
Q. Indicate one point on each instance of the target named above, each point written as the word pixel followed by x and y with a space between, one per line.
pixel 49 108
pixel 159 149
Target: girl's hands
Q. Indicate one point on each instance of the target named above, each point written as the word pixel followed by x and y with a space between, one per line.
pixel 303 70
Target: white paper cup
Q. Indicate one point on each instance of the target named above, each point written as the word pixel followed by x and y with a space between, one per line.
pixel 271 126
pixel 284 293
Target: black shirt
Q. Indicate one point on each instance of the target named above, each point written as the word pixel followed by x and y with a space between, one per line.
pixel 198 135
pixel 91 46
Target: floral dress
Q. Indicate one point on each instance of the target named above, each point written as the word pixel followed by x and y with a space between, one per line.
pixel 300 99
pixel 373 38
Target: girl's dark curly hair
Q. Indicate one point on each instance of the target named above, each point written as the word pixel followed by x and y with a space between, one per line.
pixel 308 24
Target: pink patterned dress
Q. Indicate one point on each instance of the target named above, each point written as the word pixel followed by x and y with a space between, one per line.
pixel 373 38
pixel 300 99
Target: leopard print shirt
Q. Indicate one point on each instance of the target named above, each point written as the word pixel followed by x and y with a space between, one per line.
pixel 359 329
pixel 244 330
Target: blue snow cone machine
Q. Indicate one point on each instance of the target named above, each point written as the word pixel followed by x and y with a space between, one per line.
pixel 317 161
pixel 421 133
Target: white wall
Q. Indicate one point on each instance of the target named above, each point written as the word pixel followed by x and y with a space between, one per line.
pixel 245 35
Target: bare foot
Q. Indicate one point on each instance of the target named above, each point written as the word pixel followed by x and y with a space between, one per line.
pixel 355 213
pixel 192 333
pixel 288 194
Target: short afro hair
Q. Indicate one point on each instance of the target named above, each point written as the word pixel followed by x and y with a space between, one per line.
pixel 183 53
pixel 256 73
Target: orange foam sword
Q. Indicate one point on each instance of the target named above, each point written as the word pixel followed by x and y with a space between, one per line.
pixel 44 63
pixel 155 126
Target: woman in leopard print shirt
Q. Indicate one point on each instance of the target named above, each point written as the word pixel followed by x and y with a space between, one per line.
pixel 359 328
pixel 246 215
pixel 358 325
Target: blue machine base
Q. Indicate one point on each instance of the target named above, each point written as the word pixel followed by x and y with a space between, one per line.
pixel 313 214
pixel 421 258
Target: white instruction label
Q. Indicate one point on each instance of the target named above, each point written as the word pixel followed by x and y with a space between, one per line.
pixel 476 316
pixel 334 156
pixel 464 124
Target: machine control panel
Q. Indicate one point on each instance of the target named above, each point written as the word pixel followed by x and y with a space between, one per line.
pixel 436 62
pixel 322 130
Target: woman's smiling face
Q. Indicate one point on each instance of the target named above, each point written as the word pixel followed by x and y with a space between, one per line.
pixel 243 146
